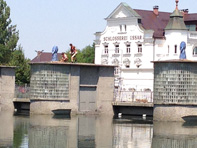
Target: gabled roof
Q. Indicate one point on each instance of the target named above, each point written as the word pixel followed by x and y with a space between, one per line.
pixel 44 57
pixel 151 21
pixel 127 8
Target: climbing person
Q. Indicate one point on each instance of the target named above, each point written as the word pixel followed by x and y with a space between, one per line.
pixel 73 53
pixel 64 57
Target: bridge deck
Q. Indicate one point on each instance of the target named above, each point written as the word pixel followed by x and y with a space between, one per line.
pixel 21 100
pixel 128 103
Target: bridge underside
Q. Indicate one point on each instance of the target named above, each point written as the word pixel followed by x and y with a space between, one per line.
pixel 133 108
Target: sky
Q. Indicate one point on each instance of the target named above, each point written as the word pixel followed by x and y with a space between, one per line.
pixel 43 24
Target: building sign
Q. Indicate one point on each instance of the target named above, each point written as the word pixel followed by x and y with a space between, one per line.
pixel 122 38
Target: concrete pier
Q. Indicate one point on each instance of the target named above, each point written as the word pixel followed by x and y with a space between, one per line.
pixel 7 86
pixel 175 90
pixel 83 88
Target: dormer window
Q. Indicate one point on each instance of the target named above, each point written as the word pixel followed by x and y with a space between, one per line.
pixel 191 27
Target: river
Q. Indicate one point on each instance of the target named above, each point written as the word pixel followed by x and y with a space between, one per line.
pixel 90 131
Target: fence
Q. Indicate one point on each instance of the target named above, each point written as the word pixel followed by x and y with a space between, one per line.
pixel 134 96
pixel 22 91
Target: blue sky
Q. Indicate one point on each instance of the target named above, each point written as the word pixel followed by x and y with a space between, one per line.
pixel 45 23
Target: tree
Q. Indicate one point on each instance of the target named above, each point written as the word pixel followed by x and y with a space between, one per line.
pixel 10 54
pixel 8 34
pixel 88 54
pixel 22 67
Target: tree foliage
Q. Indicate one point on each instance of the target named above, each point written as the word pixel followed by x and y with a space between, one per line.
pixel 10 54
pixel 22 66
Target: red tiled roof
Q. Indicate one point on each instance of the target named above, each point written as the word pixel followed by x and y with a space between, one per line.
pixel 150 21
pixel 190 17
pixel 45 57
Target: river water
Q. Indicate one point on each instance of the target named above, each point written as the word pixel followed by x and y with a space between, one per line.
pixel 48 131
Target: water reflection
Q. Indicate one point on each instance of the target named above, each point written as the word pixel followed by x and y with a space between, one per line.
pixel 174 135
pixel 132 132
pixel 46 131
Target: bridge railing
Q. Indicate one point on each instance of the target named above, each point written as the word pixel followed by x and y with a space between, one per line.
pixel 22 91
pixel 134 96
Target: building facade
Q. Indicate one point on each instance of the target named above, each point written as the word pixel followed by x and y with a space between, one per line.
pixel 134 38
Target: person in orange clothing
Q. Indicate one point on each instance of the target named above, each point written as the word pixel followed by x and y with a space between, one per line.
pixel 73 53
pixel 64 57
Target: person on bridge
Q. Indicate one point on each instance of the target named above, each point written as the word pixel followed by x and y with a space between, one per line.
pixel 64 57
pixel 73 53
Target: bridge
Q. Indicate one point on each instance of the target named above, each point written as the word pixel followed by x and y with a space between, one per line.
pixel 133 103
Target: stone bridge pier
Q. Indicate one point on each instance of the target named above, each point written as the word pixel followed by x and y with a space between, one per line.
pixel 175 90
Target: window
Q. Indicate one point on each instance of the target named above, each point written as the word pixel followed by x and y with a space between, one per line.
pixel 139 48
pixel 106 49
pixel 120 28
pixel 116 48
pixel 191 27
pixel 175 48
pixel 116 70
pixel 123 28
pixel 128 49
pixel 195 51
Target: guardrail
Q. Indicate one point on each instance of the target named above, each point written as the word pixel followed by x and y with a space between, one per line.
pixel 134 96
pixel 22 91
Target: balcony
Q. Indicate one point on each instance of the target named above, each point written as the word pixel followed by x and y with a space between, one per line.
pixel 139 54
pixel 126 54
pixel 104 55
pixel 116 55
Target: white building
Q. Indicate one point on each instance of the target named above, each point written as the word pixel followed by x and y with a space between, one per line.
pixel 133 38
